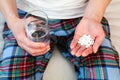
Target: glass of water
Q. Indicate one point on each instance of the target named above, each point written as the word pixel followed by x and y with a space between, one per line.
pixel 36 25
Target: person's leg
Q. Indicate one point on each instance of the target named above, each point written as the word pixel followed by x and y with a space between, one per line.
pixel 100 66
pixel 17 64
pixel 104 65
pixel 2 20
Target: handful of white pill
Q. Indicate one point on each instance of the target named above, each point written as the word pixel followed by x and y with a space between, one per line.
pixel 86 41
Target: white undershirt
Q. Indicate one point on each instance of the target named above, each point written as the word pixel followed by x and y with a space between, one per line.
pixel 55 9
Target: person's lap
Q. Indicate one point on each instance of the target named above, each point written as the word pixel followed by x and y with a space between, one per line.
pixel 103 65
pixel 16 63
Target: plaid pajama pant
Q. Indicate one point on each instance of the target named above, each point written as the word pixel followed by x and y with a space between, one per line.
pixel 17 64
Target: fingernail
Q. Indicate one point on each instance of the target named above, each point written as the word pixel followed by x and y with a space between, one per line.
pixel 72 53
pixel 77 55
pixel 83 54
pixel 71 46
pixel 95 51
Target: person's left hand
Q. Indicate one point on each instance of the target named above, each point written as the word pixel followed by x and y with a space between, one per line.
pixel 91 27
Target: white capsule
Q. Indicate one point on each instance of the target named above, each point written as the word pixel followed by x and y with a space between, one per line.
pixel 86 40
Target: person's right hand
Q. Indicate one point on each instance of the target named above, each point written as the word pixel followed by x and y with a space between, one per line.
pixel 34 48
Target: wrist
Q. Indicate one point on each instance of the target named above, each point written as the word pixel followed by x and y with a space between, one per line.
pixel 12 21
pixel 11 18
pixel 94 17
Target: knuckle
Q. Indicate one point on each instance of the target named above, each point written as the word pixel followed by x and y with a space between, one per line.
pixel 28 44
pixel 19 43
pixel 19 38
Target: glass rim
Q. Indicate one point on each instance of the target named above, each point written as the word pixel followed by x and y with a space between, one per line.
pixel 33 14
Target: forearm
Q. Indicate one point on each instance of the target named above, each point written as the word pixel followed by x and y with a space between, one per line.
pixel 96 9
pixel 9 9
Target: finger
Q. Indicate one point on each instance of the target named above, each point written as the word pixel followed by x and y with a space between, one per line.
pixel 87 51
pixel 25 40
pixel 97 43
pixel 33 51
pixel 75 49
pixel 75 40
pixel 41 53
pixel 32 44
pixel 79 52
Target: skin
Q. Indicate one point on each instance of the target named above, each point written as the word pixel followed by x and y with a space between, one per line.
pixel 89 24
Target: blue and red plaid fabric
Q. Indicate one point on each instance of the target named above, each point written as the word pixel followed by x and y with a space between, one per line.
pixel 17 64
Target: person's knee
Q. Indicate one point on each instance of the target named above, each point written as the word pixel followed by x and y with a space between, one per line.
pixel 2 20
pixel 99 73
pixel 113 73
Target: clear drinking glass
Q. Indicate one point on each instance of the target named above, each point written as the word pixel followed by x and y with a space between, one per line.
pixel 36 25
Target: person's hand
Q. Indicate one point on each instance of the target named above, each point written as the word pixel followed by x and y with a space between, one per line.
pixel 34 48
pixel 94 29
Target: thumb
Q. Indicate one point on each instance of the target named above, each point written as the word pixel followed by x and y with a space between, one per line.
pixel 96 44
pixel 75 40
